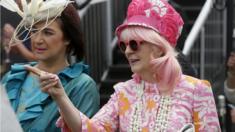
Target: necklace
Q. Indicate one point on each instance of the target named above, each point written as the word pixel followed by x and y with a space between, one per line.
pixel 162 114
pixel 161 121
pixel 136 117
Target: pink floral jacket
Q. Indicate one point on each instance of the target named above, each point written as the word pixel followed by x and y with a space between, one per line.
pixel 192 102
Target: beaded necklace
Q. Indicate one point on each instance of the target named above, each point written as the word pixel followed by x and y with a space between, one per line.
pixel 161 121
pixel 136 117
pixel 162 114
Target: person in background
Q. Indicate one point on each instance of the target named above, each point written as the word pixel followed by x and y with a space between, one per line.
pixel 223 86
pixel 159 97
pixel 19 47
pixel 229 87
pixel 55 35
pixel 229 84
pixel 9 122
pixel 18 53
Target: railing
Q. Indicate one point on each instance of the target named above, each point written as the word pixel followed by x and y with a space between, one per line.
pixel 197 26
pixel 205 45
pixel 99 20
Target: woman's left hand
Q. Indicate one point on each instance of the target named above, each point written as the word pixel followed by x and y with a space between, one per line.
pixel 50 83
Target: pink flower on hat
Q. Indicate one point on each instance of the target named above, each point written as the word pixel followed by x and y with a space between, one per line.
pixel 169 28
pixel 137 7
pixel 157 15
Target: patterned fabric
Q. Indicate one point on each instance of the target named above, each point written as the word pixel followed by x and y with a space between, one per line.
pixel 42 113
pixel 192 102
pixel 157 15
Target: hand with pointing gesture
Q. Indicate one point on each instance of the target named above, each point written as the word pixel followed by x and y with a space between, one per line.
pixel 49 83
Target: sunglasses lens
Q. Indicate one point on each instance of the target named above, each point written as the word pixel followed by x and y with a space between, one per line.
pixel 122 46
pixel 133 45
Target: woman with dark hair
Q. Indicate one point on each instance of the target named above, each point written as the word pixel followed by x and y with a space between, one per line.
pixel 55 34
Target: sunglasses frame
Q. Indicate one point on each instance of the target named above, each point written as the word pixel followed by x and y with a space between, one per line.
pixel 133 46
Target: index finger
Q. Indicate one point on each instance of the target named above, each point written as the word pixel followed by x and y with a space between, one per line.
pixel 34 70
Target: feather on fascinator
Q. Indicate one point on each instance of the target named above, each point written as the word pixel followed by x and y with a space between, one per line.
pixel 32 13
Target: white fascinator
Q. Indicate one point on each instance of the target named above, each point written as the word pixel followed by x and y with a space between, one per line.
pixel 32 13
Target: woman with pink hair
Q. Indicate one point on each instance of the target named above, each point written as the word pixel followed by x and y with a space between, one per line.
pixel 159 98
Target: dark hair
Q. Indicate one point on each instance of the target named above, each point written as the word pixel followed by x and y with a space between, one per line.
pixel 71 27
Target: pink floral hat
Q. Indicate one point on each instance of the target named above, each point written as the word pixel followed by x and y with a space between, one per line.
pixel 158 15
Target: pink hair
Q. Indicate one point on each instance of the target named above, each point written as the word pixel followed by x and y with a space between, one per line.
pixel 166 69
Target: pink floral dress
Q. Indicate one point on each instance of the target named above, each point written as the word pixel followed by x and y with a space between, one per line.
pixel 192 101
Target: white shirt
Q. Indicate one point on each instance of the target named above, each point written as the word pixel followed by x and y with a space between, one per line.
pixel 229 93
